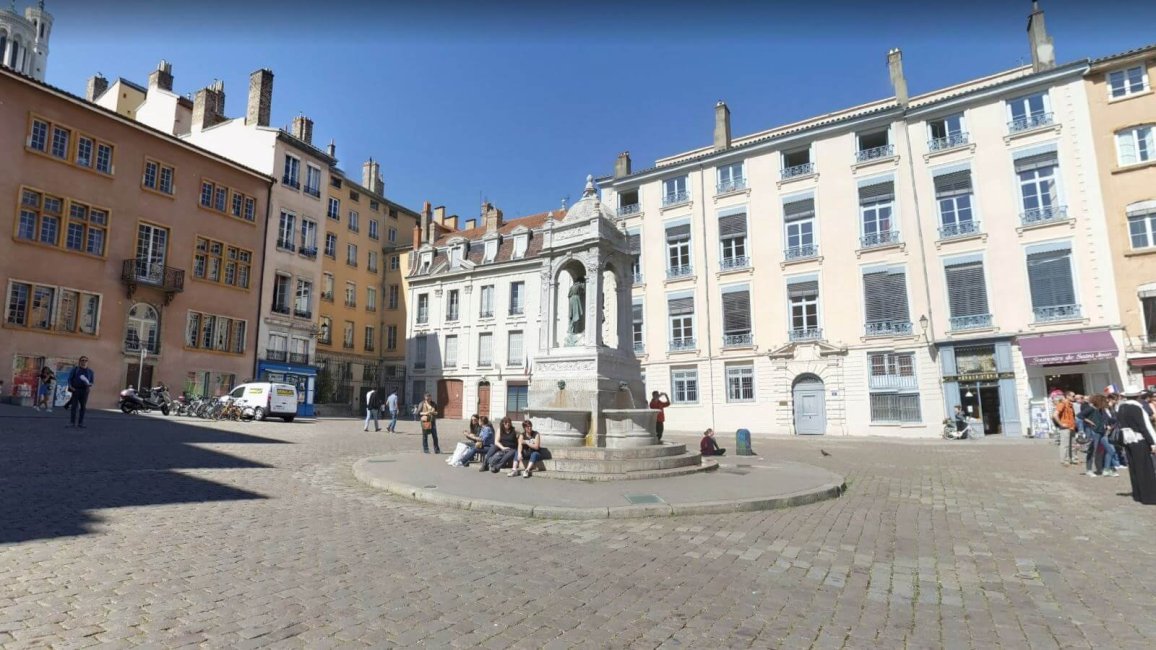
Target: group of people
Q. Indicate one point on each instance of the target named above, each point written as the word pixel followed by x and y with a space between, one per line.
pixel 507 447
pixel 374 405
pixel 80 380
pixel 1120 428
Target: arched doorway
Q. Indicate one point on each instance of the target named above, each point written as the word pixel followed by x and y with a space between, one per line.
pixel 810 405
pixel 484 399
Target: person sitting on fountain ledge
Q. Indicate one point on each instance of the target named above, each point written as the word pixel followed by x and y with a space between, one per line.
pixel 709 446
pixel 529 451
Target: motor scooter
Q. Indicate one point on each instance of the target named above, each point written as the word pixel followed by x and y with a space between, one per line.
pixel 131 401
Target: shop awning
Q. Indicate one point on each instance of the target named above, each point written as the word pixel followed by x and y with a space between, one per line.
pixel 1079 347
pixel 1142 362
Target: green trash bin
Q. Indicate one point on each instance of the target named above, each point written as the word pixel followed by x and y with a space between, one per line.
pixel 743 443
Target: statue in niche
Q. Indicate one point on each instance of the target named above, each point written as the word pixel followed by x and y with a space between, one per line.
pixel 577 298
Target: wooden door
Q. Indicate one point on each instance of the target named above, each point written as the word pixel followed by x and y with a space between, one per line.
pixel 145 379
pixel 450 398
pixel 484 399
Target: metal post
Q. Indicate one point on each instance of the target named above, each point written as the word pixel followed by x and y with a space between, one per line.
pixel 140 369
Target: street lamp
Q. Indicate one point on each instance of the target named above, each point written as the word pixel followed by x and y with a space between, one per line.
pixel 923 322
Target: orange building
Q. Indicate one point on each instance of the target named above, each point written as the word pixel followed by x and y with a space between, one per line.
pixel 112 253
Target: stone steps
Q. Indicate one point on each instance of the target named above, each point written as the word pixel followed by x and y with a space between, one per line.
pixel 627 453
pixel 700 465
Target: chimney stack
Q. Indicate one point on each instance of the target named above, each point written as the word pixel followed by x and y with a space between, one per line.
pixel 1043 52
pixel 898 81
pixel 427 222
pixel 209 106
pixel 722 126
pixel 491 217
pixel 260 97
pixel 303 129
pixel 471 224
pixel 332 150
pixel 97 84
pixel 371 177
pixel 622 165
pixel 162 77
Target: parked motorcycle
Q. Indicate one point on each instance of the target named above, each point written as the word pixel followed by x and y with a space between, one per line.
pixel 131 401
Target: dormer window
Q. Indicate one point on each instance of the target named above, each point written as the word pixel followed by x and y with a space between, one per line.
pixel 457 254
pixel 426 262
pixel 491 251
pixel 521 241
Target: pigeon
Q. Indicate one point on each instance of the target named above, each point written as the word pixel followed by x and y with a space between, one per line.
pixel 824 452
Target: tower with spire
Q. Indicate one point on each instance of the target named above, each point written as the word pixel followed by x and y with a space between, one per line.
pixel 24 39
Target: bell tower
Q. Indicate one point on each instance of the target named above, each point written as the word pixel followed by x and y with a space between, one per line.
pixel 41 22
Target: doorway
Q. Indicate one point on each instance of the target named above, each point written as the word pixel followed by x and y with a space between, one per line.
pixel 484 398
pixel 450 398
pixel 1074 383
pixel 810 407
pixel 980 401
pixel 135 377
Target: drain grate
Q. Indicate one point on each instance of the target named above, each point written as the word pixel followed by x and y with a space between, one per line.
pixel 637 499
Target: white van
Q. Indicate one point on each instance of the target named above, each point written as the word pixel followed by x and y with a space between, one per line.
pixel 267 399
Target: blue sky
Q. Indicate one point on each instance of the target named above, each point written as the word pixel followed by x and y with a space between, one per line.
pixel 517 100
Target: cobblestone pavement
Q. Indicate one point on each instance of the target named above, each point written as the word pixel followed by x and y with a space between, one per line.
pixel 142 530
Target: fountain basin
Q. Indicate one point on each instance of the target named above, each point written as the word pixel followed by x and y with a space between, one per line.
pixel 629 428
pixel 560 427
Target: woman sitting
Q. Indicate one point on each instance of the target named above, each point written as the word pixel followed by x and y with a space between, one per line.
pixel 709 446
pixel 529 451
pixel 482 440
pixel 504 449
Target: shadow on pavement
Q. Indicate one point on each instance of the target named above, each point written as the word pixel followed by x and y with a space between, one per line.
pixel 51 477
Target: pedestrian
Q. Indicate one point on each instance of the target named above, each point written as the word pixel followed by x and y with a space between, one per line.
pixel 391 404
pixel 505 446
pixel 709 446
pixel 659 402
pixel 1140 440
pixel 429 424
pixel 961 423
pixel 1065 419
pixel 1097 422
pixel 372 407
pixel 529 452
pixel 46 393
pixel 1113 429
pixel 80 380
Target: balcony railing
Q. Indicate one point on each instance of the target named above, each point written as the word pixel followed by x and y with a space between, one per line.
pixel 732 263
pixel 877 239
pixel 422 318
pixel 1037 216
pixel 327 340
pixel 958 229
pixel 949 141
pixel 451 316
pixel 806 334
pixel 1029 122
pixel 888 328
pixel 280 309
pixel 795 171
pixel 801 252
pixel 973 322
pixel 639 348
pixel 303 313
pixel 627 210
pixel 276 355
pixel 313 191
pixel 637 277
pixel 489 313
pixel 134 344
pixel 683 271
pixel 731 185
pixel 291 181
pixel 154 274
pixel 1056 312
pixel 738 340
pixel 348 345
pixel 327 295
pixel 299 357
pixel 675 198
pixel 893 382
pixel 875 153
pixel 350 303
pixel 286 244
pixel 683 344
pixel 310 252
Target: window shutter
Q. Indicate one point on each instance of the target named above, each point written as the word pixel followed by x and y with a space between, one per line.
pixel 1038 161
pixel 875 295
pixel 803 289
pixel 895 300
pixel 515 351
pixel 734 225
pixel 953 184
pixel 1050 278
pixel 802 209
pixel 877 193
pixel 681 306
pixel 678 233
pixel 736 312
pixel 1126 147
pixel 635 242
pixel 966 293
pixel 636 313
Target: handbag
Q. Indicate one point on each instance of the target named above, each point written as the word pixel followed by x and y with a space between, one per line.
pixel 426 423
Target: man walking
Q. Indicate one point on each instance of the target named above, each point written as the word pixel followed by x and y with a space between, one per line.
pixel 80 380
pixel 391 404
pixel 1065 418
pixel 372 406
pixel 429 425
pixel 659 401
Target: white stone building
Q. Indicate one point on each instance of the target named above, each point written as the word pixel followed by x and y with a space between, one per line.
pixel 24 40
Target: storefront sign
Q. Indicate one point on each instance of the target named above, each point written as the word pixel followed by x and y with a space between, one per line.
pixel 1071 357
pixel 979 376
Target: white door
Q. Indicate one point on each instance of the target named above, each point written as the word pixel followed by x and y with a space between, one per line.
pixel 151 246
pixel 810 407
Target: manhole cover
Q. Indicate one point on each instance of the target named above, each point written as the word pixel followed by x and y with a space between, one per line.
pixel 429 487
pixel 643 498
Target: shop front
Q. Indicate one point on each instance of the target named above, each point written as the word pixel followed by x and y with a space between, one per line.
pixel 303 377
pixel 979 376
pixel 1144 369
pixel 1081 362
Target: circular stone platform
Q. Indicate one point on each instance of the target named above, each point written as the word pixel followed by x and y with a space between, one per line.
pixel 741 483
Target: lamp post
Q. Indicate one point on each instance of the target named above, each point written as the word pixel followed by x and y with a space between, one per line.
pixel 140 368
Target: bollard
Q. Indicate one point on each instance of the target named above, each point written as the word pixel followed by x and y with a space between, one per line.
pixel 743 443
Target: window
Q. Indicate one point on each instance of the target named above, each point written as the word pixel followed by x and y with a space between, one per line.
pixel 312 180
pixel 491 251
pixel 371 262
pixel 796 164
pixel 218 262
pixel 634 242
pixel 351 254
pixel 876 202
pixel 394 262
pixel 423 308
pixel 84 146
pixel 517 298
pixel 334 210
pixel 521 242
pixel 1148 303
pixel 370 338
pixel 946 133
pixel 418 389
pixel 303 306
pixel 636 327
pixel 680 310
pixel 354 221
pixel 736 310
pixel 61 139
pixel 1050 280
pixel 685 383
pixel 142 330
pixel 391 337
pixel 1142 224
pixel 967 294
pixel 803 306
pixel 392 297
pixel 212 332
pixel 1122 83
pixel 49 307
pixel 281 291
pixel 953 195
pixel 392 234
pixel 674 191
pixel 740 383
pixel 456 255
pixel 517 400
pixel 157 176
pixel 354 196
pixel 104 158
pixel 799 221
pixel 485 350
pixel 628 203
pixel 894 387
pixel 292 175
pixel 38 136
pixel 1030 112
pixel 885 303
pixel 451 356
pixel 452 304
pixel 486 304
pixel 1039 188
pixel 1135 145
pixel 347 336
pixel 350 294
pixel 331 245
pixel 86 229
pixel 373 226
pixel 732 232
pixel 286 232
pixel 678 251
pixel 731 178
pixel 41 218
pixel 327 286
pixel 371 299
pixel 874 145
pixel 309 238
pixel 514 352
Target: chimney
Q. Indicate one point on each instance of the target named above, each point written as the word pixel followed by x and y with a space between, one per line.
pixel 722 126
pixel 427 221
pixel 97 84
pixel 162 77
pixel 303 129
pixel 439 214
pixel 622 165
pixel 898 81
pixel 260 97
pixel 451 223
pixel 491 217
pixel 332 150
pixel 1043 52
pixel 471 224
pixel 209 106
pixel 371 176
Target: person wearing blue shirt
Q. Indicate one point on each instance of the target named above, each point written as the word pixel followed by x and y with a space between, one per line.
pixel 391 404
pixel 80 380
pixel 483 441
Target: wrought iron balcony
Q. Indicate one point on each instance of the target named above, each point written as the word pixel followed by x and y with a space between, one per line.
pixel 422 318
pixel 350 303
pixel 276 355
pixel 1056 313
pixel 973 322
pixel 286 244
pixel 310 252
pixel 888 328
pixel 731 185
pixel 806 334
pixel 639 348
pixel 325 339
pixel 313 191
pixel 627 210
pixel 1029 122
pixel 451 316
pixel 732 263
pixel 958 229
pixel 801 252
pixel 489 313
pixel 875 153
pixel 291 181
pixel 683 345
pixel 327 295
pixel 517 310
pixel 515 363
pixel 299 357
pixel 683 271
pixel 303 313
pixel 745 339
pixel 795 171
pixel 949 141
pixel 1048 214
pixel 638 277
pixel 133 344
pixel 877 239
pixel 348 345
pixel 675 198
pixel 280 309
pixel 154 274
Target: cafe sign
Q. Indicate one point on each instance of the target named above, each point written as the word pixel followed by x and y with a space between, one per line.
pixel 969 377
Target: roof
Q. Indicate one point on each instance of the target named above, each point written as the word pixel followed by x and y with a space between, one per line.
pixel 476 253
pixel 531 221
pixel 1125 54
